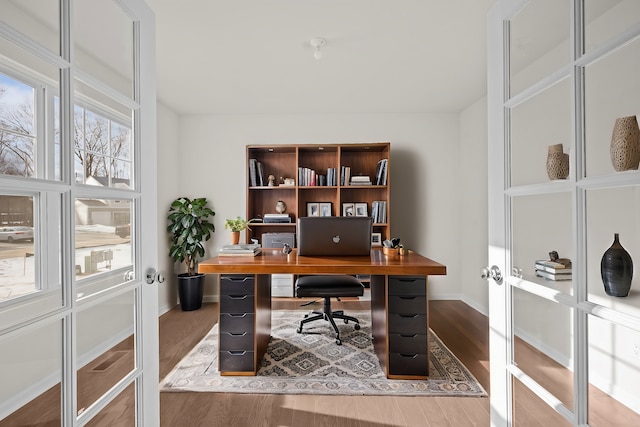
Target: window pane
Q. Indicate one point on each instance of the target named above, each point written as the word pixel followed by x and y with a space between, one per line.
pixel 105 345
pixel 535 50
pixel 104 43
pixel 17 127
pixel 103 145
pixel 605 19
pixel 37 19
pixel 612 90
pixel 103 243
pixel 18 259
pixel 32 362
pixel 120 412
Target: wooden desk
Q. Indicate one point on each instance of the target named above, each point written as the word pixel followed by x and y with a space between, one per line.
pixel 399 305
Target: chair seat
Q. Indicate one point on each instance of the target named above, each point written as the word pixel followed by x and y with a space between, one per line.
pixel 329 286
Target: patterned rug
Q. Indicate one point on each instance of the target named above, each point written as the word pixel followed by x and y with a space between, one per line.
pixel 312 363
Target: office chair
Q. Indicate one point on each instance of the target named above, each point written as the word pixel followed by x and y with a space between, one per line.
pixel 327 287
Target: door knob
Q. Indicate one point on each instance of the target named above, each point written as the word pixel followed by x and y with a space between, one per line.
pixel 492 273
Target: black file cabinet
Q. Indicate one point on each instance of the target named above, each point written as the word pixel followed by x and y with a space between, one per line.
pixel 407 326
pixel 237 323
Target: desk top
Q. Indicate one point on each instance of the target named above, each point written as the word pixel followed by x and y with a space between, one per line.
pixel 271 261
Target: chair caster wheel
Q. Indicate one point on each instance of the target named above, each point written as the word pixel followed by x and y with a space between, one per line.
pixel 339 342
pixel 357 326
pixel 299 330
pixel 346 321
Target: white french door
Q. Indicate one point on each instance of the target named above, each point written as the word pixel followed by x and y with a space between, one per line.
pixel 78 197
pixel 563 350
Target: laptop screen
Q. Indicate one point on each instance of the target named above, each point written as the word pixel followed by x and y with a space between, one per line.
pixel 334 236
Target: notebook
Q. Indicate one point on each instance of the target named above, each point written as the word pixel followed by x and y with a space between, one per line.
pixel 334 236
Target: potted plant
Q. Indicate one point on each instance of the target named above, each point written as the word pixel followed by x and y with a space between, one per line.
pixel 189 227
pixel 236 226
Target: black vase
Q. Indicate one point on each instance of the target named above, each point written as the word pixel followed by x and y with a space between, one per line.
pixel 616 269
pixel 190 291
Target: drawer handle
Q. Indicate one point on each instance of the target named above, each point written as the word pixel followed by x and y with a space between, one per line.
pixel 237 353
pixel 237 314
pixel 408 336
pixel 409 316
pixel 406 297
pixel 409 356
pixel 238 296
pixel 237 334
pixel 407 280
pixel 237 279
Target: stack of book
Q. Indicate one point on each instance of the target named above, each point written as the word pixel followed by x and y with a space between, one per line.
pixel 276 218
pixel 360 180
pixel 381 172
pixel 559 269
pixel 379 211
pixel 256 173
pixel 239 250
pixel 345 175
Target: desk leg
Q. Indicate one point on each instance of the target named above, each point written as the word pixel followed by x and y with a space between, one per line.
pixel 263 318
pixel 379 319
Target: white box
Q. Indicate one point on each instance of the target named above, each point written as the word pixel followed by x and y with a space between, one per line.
pixel 282 285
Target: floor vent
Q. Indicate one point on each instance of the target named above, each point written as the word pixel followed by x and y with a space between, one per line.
pixel 106 364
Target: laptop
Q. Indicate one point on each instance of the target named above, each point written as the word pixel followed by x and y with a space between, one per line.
pixel 334 236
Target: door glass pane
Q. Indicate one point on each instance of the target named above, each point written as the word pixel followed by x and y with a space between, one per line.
pixel 120 412
pixel 18 259
pixel 530 410
pixel 103 140
pixel 605 19
pixel 537 124
pixel 614 374
pixel 539 42
pixel 104 43
pixel 106 346
pixel 37 19
pixel 542 224
pixel 611 211
pixel 103 243
pixel 31 372
pixel 29 115
pixel 612 91
pixel 544 343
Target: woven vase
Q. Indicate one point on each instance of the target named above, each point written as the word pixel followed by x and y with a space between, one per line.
pixel 557 163
pixel 625 144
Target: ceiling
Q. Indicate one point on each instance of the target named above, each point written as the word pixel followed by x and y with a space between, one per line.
pixel 381 56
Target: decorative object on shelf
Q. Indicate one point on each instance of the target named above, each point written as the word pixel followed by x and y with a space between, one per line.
pixel 272 181
pixel 317 44
pixel 554 268
pixel 616 269
pixel 189 226
pixel 557 163
pixel 625 144
pixel 281 207
pixel 236 226
pixel 289 182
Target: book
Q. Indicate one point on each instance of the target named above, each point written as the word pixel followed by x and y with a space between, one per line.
pixel 551 276
pixel 238 253
pixel 248 249
pixel 558 266
pixel 553 270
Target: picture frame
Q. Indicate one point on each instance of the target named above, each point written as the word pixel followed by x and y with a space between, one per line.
pixel 376 239
pixel 361 209
pixel 313 209
pixel 348 209
pixel 326 209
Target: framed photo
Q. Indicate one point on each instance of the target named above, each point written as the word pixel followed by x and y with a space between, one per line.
pixel 348 209
pixel 313 209
pixel 326 208
pixel 361 209
pixel 376 239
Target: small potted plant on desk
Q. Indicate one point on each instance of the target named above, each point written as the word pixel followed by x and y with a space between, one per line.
pixel 236 226
pixel 189 226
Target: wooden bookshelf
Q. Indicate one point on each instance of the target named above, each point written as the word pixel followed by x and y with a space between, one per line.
pixel 287 161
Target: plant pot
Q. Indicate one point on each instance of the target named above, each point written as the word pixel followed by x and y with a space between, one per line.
pixel 235 237
pixel 190 291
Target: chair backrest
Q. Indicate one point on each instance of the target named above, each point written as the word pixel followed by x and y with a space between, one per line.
pixel 334 236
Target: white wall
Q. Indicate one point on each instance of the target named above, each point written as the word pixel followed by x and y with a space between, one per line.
pixel 210 162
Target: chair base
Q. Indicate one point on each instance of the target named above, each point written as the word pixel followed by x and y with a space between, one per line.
pixel 329 316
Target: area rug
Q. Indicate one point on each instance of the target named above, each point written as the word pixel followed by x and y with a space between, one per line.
pixel 312 363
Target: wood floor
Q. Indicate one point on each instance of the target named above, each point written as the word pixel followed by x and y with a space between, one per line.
pixel 462 329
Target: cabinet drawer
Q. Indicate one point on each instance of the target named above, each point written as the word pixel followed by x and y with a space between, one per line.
pixel 408 343
pixel 407 285
pixel 407 324
pixel 236 323
pixel 408 364
pixel 407 304
pixel 236 341
pixel 236 284
pixel 236 304
pixel 236 361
